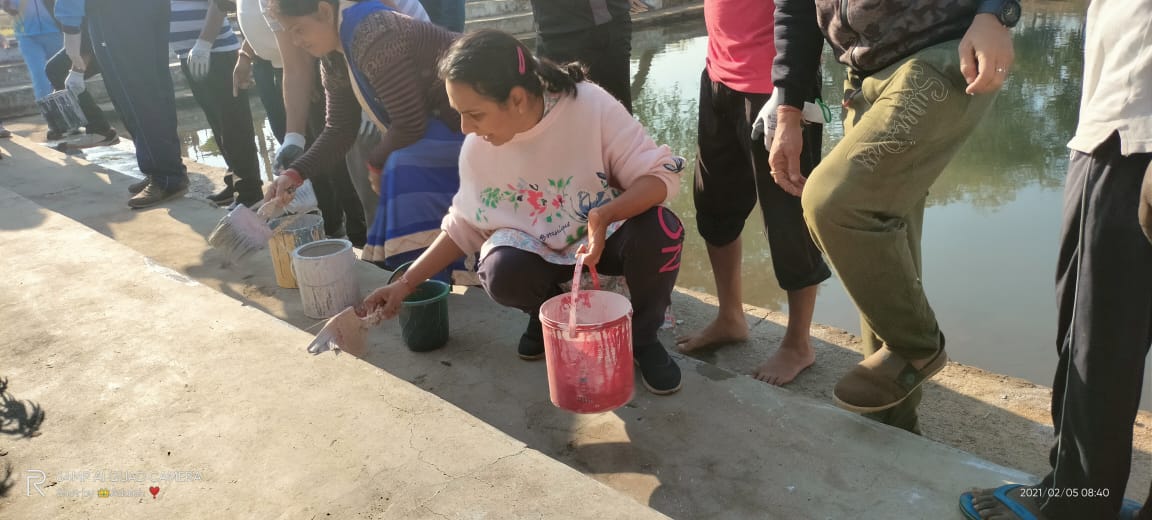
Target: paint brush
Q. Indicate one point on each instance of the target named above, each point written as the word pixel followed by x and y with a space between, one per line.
pixel 243 231
pixel 347 331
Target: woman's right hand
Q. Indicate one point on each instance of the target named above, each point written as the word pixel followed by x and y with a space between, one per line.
pixel 387 300
pixel 283 186
pixel 241 75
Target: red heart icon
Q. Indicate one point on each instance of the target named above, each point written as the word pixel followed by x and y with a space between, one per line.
pixel 153 490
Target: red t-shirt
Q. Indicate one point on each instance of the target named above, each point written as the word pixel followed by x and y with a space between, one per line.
pixel 741 44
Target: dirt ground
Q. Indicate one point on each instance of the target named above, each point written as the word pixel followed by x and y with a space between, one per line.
pixel 1002 419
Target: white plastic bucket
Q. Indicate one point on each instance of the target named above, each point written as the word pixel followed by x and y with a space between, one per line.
pixel 325 272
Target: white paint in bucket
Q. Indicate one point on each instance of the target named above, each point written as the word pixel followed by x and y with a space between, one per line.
pixel 325 272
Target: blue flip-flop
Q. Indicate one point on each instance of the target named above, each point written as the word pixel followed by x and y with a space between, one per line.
pixel 1001 494
pixel 1130 509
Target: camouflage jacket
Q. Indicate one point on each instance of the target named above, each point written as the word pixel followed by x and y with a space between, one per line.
pixel 866 35
pixel 869 35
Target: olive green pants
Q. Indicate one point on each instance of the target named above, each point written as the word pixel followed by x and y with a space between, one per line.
pixel 864 203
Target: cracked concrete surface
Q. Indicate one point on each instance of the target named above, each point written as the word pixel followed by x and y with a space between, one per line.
pixel 234 388
pixel 144 372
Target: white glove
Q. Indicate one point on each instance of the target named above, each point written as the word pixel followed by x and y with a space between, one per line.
pixel 199 59
pixel 290 150
pixel 765 125
pixel 75 82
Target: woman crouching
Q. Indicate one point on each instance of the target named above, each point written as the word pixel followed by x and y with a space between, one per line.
pixel 553 166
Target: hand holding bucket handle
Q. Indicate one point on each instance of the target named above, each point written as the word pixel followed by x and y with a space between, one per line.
pixel 270 209
pixel 283 187
pixel 576 290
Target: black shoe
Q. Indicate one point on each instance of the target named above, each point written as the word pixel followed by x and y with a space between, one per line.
pixel 59 136
pixel 108 137
pixel 659 372
pixel 223 197
pixel 532 342
pixel 338 232
pixel 153 194
pixel 137 187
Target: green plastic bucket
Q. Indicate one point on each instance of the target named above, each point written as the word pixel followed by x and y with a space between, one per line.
pixel 400 271
pixel 424 316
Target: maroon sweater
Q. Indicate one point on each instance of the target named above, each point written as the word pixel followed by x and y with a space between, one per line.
pixel 399 57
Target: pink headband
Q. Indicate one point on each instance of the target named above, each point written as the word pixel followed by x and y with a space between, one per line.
pixel 520 57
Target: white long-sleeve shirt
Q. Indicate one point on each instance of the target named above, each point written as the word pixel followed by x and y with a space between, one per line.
pixel 1117 90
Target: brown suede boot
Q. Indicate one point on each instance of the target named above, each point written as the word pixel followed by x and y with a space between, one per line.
pixel 883 380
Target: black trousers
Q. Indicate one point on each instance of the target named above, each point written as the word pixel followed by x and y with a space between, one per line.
pixel 732 174
pixel 57 71
pixel 604 49
pixel 645 250
pixel 230 118
pixel 270 87
pixel 133 55
pixel 1104 313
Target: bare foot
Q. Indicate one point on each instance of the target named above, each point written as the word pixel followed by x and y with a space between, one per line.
pixel 786 363
pixel 717 333
pixel 989 507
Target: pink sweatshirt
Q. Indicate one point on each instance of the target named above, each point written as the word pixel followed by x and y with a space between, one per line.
pixel 585 152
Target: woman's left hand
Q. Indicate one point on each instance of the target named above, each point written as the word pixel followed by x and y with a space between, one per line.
pixel 597 235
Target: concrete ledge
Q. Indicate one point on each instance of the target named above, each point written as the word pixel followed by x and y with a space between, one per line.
pixel 487 8
pixel 17 99
pixel 513 16
pixel 160 381
pixel 725 447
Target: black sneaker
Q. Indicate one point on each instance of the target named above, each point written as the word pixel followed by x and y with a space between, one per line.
pixel 250 200
pixel 108 137
pixel 153 194
pixel 532 342
pixel 137 187
pixel 60 136
pixel 223 197
pixel 659 372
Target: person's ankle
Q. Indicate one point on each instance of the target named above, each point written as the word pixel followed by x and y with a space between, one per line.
pixel 800 342
pixel 735 316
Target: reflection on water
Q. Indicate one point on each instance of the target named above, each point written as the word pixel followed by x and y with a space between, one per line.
pixel 198 145
pixel 992 225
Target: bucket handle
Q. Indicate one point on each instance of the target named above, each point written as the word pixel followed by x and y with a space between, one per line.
pixel 579 270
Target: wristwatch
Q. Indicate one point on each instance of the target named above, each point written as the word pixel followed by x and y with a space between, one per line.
pixel 1007 11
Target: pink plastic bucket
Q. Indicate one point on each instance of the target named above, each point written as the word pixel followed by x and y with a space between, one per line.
pixel 590 370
